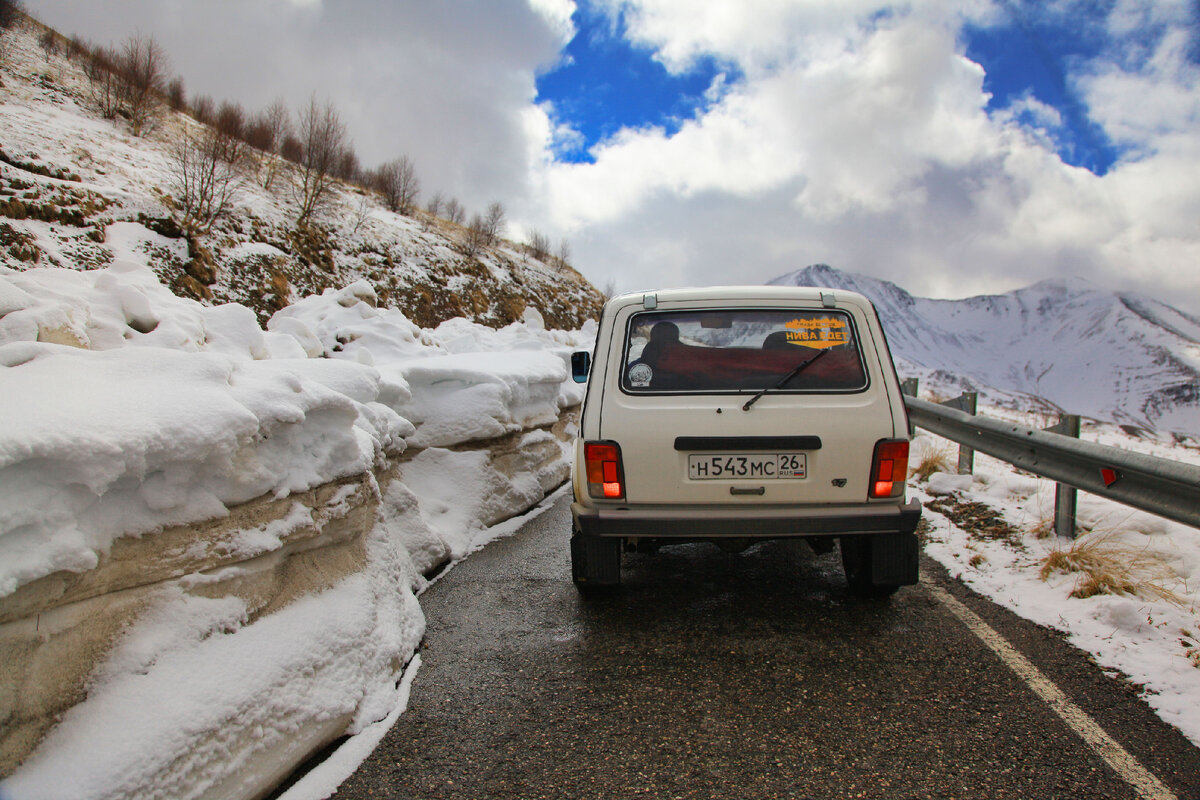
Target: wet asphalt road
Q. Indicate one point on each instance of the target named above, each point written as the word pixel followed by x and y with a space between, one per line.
pixel 709 675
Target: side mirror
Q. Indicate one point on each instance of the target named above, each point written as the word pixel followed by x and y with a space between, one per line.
pixel 581 364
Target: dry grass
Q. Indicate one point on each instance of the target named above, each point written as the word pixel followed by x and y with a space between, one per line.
pixel 1044 528
pixel 934 458
pixel 1105 565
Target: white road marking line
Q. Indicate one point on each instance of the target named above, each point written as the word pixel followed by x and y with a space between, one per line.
pixel 1129 768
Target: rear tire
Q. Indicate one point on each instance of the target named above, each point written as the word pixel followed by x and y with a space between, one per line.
pixel 595 563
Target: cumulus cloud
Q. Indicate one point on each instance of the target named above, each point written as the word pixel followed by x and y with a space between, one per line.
pixel 861 137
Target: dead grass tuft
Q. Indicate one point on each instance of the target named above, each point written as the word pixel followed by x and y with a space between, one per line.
pixel 934 458
pixel 1105 565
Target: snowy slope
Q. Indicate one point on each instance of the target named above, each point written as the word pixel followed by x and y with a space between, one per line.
pixel 1119 357
pixel 70 179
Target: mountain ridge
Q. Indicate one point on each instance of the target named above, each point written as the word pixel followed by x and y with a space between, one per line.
pixel 1115 356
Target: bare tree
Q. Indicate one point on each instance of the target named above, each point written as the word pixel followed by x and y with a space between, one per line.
pixel 539 245
pixel 347 166
pixel 494 222
pixel 434 205
pixel 203 109
pixel 397 182
pixel 230 126
pixel 266 132
pixel 455 212
pixel 176 96
pixel 564 253
pixel 48 41
pixel 476 237
pixel 362 213
pixel 77 47
pixel 323 139
pixel 103 85
pixel 203 181
pixel 291 148
pixel 142 68
pixel 10 15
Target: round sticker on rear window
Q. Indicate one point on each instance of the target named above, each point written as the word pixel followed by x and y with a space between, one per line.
pixel 640 375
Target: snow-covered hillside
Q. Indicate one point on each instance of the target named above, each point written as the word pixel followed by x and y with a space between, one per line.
pixel 1119 357
pixel 69 177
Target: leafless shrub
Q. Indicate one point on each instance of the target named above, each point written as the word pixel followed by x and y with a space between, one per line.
pixel 103 83
pixel 204 109
pixel 475 237
pixel 203 181
pixel 259 135
pixel 176 96
pixel 362 212
pixel 48 41
pixel 539 245
pixel 347 166
pixel 494 222
pixel 10 13
pixel 141 67
pixel 323 139
pixel 230 126
pixel 77 48
pixel 434 205
pixel 266 132
pixel 564 253
pixel 397 182
pixel 231 120
pixel 455 212
pixel 291 148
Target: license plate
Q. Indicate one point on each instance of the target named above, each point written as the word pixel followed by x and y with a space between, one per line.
pixel 751 466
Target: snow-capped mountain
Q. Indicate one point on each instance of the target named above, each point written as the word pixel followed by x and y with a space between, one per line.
pixel 1114 356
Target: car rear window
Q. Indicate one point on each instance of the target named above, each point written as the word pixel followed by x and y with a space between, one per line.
pixel 741 350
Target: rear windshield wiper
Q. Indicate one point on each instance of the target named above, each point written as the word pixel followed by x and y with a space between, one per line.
pixel 799 368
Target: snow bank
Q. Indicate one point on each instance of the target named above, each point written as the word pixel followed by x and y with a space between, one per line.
pixel 140 409
pixel 129 411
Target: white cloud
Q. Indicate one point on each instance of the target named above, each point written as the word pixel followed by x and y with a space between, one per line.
pixel 446 83
pixel 861 139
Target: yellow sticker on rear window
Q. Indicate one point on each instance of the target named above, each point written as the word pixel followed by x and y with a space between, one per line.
pixel 818 333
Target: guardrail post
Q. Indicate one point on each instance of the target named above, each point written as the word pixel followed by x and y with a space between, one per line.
pixel 1066 498
pixel 909 387
pixel 967 402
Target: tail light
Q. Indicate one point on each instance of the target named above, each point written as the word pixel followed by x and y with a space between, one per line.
pixel 889 468
pixel 605 478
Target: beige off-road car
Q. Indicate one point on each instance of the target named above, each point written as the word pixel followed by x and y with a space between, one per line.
pixel 737 414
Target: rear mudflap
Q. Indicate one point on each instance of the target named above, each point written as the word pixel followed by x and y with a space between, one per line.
pixel 894 559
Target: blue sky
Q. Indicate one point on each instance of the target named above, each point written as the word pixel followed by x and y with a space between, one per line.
pixel 606 82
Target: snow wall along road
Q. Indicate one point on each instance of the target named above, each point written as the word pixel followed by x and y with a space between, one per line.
pixel 212 535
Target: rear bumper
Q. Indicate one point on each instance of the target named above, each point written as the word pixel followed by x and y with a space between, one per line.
pixel 690 522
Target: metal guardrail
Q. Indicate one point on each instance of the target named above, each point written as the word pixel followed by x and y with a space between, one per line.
pixel 1167 488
